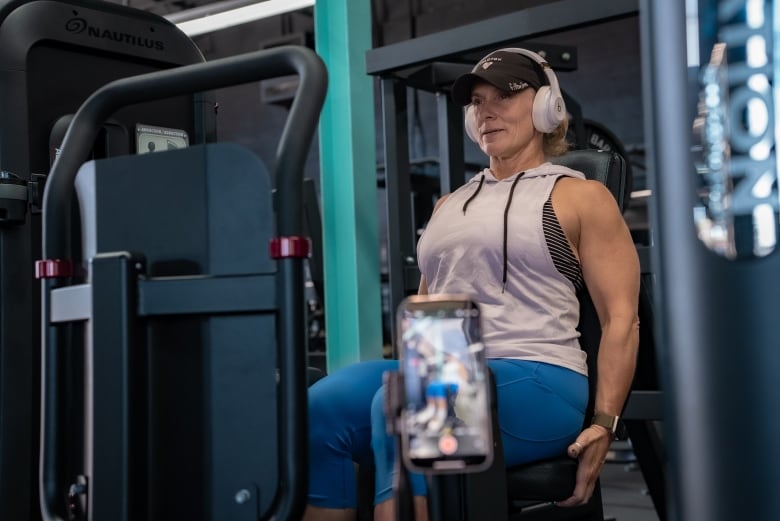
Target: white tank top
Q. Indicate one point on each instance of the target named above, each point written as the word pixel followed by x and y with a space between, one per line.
pixel 533 315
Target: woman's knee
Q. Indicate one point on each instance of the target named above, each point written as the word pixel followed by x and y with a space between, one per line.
pixel 340 407
pixel 347 392
pixel 378 406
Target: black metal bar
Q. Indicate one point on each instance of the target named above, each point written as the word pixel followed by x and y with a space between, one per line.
pixel 52 455
pixel 18 373
pixel 439 75
pixel 393 408
pixel 645 258
pixel 452 172
pixel 400 232
pixel 650 455
pixel 492 482
pixel 314 232
pixel 293 412
pixel 644 405
pixel 206 295
pixel 525 23
pixel 108 381
pixel 667 145
pixel 446 497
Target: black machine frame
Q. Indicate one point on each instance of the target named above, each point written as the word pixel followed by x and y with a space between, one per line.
pixel 431 63
pixel 65 299
pixel 56 53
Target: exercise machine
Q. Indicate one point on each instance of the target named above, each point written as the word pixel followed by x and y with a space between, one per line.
pixel 55 54
pixel 189 312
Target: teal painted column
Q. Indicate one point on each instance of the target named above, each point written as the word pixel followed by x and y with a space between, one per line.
pixel 353 310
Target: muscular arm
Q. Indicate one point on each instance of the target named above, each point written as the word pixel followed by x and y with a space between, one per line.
pixel 610 267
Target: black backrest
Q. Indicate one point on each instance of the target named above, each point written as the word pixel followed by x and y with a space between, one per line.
pixel 610 169
pixel 607 167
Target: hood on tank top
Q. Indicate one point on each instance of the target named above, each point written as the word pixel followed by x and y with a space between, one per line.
pixel 486 176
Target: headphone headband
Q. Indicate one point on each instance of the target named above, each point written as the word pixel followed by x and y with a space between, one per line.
pixel 544 65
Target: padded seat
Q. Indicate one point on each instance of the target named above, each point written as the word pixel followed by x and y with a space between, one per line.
pixel 548 480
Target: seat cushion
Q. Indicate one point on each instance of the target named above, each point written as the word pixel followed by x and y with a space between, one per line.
pixel 546 480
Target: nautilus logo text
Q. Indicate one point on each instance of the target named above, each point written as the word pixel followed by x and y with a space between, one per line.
pixel 77 25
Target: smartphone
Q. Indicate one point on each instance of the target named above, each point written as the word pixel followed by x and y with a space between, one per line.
pixel 445 420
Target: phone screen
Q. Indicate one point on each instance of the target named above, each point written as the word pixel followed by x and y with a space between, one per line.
pixel 446 423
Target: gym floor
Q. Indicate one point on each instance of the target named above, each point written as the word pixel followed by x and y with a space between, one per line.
pixel 624 493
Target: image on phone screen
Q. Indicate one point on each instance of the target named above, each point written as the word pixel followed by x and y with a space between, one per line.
pixel 446 421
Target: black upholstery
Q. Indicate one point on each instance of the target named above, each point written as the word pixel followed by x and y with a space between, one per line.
pixel 554 479
pixel 599 165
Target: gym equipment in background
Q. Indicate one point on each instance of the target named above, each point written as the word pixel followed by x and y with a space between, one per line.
pixel 194 335
pixel 56 53
pixel 586 133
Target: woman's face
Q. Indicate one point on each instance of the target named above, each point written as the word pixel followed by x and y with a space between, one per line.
pixel 504 120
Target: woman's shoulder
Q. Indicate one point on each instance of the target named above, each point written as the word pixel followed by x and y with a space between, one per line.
pixel 588 188
pixel 553 169
pixel 587 197
pixel 440 202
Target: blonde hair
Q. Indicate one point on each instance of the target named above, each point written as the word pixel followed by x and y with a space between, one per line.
pixel 555 144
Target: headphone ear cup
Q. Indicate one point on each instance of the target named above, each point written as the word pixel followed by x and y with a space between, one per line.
pixel 548 110
pixel 470 124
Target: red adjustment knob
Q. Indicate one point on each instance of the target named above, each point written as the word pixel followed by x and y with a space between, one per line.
pixel 286 247
pixel 53 269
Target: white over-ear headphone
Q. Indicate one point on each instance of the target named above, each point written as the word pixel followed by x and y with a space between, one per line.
pixel 549 109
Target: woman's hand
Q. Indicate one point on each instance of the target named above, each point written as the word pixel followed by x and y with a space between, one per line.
pixel 590 449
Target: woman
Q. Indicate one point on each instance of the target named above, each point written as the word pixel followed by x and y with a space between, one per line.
pixel 521 237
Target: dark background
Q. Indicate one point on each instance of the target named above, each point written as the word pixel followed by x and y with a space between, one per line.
pixel 607 83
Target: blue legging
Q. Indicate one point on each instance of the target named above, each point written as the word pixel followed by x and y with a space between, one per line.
pixel 541 408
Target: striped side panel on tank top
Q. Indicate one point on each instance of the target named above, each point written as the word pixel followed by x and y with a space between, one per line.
pixel 563 258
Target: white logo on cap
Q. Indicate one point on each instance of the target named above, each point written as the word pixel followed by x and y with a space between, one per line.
pixel 487 62
pixel 517 86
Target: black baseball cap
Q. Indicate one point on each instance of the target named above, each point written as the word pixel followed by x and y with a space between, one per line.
pixel 505 70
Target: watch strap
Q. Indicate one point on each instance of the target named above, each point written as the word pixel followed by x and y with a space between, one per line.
pixel 607 421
